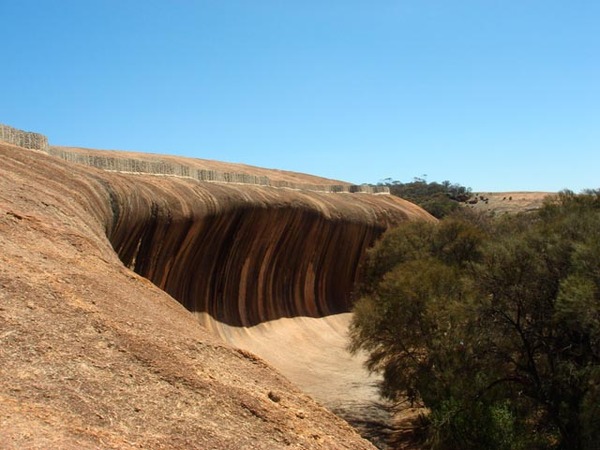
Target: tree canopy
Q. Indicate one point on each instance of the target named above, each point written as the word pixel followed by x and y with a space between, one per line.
pixel 493 325
pixel 439 199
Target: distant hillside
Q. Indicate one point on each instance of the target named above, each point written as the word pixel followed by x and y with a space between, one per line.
pixel 507 202
pixel 443 198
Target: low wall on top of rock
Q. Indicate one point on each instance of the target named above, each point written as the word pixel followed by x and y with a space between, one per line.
pixel 26 139
pixel 161 167
pixel 37 141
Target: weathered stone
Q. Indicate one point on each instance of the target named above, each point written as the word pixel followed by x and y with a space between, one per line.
pixel 235 251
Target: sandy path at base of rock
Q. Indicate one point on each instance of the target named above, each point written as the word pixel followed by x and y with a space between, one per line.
pixel 312 353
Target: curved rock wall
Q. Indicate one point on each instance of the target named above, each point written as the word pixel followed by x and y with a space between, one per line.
pixel 247 255
pixel 235 255
pixel 243 251
pixel 94 356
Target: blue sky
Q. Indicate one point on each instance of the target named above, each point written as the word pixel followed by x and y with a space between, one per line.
pixel 495 95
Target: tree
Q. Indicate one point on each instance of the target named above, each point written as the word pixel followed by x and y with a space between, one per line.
pixel 495 327
pixel 439 199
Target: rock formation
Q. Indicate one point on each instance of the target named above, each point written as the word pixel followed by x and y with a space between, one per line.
pixel 241 250
pixel 248 254
pixel 92 355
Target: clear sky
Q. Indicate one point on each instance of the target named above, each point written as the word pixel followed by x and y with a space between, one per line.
pixel 496 95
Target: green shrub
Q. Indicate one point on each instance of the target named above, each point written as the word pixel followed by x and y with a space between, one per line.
pixel 495 327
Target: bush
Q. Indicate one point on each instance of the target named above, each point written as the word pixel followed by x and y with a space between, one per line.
pixel 439 199
pixel 495 327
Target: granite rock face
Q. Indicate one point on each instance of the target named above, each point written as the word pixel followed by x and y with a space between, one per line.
pixel 243 247
pixel 95 356
pixel 248 254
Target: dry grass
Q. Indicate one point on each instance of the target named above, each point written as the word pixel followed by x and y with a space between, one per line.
pixel 508 202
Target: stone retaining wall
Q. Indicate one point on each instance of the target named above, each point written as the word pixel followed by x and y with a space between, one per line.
pixel 22 138
pixel 38 141
pixel 159 167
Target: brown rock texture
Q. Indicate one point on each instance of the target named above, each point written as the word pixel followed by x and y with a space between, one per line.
pixel 93 355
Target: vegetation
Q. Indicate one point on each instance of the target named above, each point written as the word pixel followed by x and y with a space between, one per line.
pixel 494 326
pixel 439 199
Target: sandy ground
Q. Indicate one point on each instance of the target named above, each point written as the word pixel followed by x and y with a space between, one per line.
pixel 312 353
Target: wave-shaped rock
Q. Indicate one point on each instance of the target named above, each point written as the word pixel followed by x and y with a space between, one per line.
pixel 247 254
pixel 97 356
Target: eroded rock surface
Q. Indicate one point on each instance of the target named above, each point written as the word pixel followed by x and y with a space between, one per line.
pixel 246 254
pixel 92 355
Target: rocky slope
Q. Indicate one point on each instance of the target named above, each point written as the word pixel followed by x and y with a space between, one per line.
pixel 93 355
